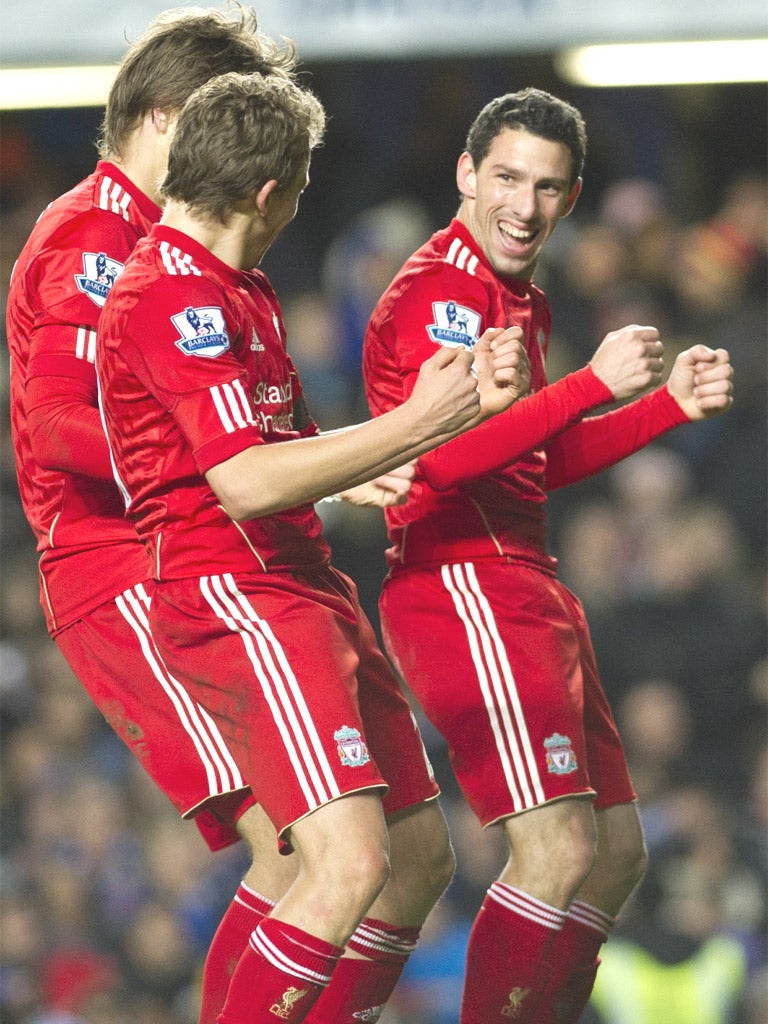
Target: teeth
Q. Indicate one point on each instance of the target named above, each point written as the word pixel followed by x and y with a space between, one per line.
pixel 521 236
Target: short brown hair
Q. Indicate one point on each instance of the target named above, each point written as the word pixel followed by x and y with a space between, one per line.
pixel 534 111
pixel 183 48
pixel 236 133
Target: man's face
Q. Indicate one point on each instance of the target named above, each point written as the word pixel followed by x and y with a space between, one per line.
pixel 514 199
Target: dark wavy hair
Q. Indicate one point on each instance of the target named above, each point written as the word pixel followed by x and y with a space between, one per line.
pixel 534 111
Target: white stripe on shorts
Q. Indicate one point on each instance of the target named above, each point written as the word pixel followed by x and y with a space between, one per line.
pixel 280 688
pixel 497 685
pixel 221 770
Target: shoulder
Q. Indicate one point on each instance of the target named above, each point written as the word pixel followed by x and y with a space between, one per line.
pixel 443 289
pixel 72 224
pixel 165 295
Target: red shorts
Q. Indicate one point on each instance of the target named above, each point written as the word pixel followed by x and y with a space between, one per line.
pixel 112 653
pixel 286 667
pixel 499 656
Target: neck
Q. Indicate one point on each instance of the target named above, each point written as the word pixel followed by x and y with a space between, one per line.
pixel 144 157
pixel 233 243
pixel 145 174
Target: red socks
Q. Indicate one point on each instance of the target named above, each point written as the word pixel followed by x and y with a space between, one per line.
pixel 241 917
pixel 280 975
pixel 507 957
pixel 360 988
pixel 526 961
pixel 574 962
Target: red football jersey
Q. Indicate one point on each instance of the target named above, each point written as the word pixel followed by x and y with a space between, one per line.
pixel 484 493
pixel 193 369
pixel 89 551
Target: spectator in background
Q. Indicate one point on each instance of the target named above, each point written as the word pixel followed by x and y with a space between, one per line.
pixel 312 322
pixel 359 265
pixel 675 955
pixel 680 575
pixel 656 724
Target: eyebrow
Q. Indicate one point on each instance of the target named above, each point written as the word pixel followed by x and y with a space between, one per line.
pixel 545 180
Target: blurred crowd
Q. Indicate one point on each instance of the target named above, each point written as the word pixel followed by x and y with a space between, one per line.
pixel 108 901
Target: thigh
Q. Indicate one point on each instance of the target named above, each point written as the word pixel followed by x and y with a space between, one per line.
pixel 114 656
pixel 271 660
pixel 491 652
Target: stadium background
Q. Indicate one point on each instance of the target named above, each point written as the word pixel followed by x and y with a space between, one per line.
pixel 106 900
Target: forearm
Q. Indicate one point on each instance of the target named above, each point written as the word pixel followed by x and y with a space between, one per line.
pixel 528 424
pixel 599 442
pixel 265 479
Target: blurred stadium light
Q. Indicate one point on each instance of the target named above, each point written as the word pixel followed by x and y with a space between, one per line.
pixel 50 32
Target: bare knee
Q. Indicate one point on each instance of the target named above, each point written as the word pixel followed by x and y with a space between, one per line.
pixel 344 855
pixel 437 870
pixel 419 839
pixel 362 875
pixel 630 863
pixel 553 849
pixel 622 859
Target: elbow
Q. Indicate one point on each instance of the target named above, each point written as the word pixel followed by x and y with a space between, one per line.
pixel 237 512
pixel 234 492
pixel 241 504
pixel 252 488
pixel 241 508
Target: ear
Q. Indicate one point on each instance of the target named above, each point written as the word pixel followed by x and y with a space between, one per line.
pixel 573 195
pixel 466 177
pixel 161 119
pixel 261 198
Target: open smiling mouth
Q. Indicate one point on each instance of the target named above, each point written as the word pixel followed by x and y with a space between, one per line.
pixel 519 235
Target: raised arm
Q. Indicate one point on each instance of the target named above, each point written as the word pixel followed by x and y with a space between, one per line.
pixel 264 479
pixel 627 361
pixel 700 385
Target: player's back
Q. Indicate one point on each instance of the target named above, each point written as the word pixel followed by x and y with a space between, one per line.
pixel 58 287
pixel 193 370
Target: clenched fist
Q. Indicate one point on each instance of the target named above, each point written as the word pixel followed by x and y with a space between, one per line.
pixel 445 399
pixel 701 382
pixel 629 360
pixel 503 369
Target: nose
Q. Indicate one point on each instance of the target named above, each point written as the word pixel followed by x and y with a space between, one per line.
pixel 524 202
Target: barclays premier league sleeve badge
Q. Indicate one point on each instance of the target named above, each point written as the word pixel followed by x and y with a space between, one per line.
pixel 454 325
pixel 99 274
pixel 203 331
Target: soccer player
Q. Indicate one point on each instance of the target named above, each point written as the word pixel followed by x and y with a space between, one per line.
pixel 220 465
pixel 95 578
pixel 492 645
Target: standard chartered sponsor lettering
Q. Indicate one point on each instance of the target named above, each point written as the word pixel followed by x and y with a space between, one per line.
pixel 276 422
pixel 278 398
pixel 272 394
